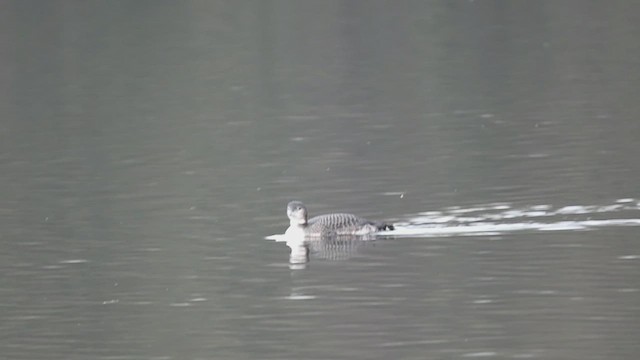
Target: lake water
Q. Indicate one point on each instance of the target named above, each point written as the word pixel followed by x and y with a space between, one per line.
pixel 148 148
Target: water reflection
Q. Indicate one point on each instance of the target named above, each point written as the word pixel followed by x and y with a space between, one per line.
pixel 326 247
pixel 299 251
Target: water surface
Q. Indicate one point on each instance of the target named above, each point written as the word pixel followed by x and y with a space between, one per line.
pixel 147 148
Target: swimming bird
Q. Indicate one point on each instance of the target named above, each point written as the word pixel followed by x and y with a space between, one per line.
pixel 329 224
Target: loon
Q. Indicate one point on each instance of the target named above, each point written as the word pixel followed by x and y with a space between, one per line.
pixel 329 224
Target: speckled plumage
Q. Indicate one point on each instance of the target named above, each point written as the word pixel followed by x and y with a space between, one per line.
pixel 340 224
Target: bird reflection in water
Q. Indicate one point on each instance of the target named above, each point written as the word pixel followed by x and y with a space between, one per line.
pixel 326 247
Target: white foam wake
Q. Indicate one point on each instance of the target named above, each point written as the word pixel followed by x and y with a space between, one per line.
pixel 498 218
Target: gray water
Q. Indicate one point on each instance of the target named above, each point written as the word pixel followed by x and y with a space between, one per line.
pixel 147 149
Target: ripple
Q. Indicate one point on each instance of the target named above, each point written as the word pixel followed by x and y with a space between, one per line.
pixel 300 297
pixel 480 354
pixel 73 261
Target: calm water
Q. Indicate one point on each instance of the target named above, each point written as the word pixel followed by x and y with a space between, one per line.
pixel 147 148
